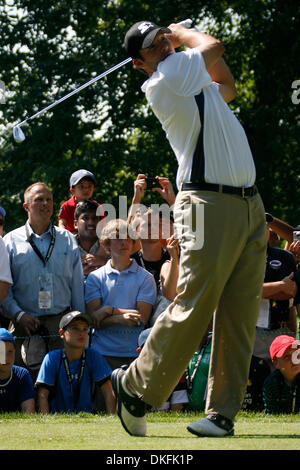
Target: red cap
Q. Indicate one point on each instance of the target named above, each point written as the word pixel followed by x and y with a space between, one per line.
pixel 280 344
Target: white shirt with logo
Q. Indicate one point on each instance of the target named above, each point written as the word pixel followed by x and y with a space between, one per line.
pixel 171 92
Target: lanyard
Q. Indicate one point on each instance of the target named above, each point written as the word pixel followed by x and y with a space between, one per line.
pixel 35 248
pixel 69 376
pixel 190 378
pixel 141 259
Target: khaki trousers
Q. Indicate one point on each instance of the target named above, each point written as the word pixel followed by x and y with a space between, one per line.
pixel 223 279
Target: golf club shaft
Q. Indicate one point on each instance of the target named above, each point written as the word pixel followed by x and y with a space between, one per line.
pixel 186 23
pixel 93 80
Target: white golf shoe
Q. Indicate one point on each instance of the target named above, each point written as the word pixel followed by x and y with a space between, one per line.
pixel 214 425
pixel 131 409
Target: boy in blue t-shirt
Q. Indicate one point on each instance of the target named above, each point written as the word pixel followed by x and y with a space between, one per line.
pixel 67 376
pixel 16 387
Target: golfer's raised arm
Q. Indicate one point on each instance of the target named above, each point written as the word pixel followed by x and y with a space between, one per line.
pixel 210 47
pixel 212 50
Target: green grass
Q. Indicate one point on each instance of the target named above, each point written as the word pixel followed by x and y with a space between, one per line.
pixel 166 431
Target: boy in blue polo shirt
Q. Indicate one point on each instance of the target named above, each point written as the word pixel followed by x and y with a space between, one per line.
pixel 119 297
pixel 67 376
pixel 16 388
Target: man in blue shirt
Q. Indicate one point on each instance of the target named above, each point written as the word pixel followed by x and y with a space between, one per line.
pixel 67 377
pixel 46 270
pixel 16 388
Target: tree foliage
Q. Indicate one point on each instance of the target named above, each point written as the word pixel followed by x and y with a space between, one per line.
pixel 50 48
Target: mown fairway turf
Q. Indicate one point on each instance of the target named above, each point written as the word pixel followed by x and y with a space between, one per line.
pixel 166 431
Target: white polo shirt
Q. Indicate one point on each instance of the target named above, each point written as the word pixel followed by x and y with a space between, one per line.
pixel 171 92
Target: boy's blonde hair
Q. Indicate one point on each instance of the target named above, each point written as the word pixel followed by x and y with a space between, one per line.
pixel 116 228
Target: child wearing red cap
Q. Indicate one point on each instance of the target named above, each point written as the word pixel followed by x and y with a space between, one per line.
pixel 281 389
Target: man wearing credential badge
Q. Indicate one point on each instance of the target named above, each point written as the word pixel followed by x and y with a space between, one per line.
pixel 47 279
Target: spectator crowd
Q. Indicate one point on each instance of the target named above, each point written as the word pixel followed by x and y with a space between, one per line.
pixel 77 302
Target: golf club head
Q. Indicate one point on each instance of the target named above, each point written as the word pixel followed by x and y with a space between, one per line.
pixel 18 134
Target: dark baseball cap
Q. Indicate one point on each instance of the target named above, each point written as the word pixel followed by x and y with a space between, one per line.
pixel 68 317
pixel 141 35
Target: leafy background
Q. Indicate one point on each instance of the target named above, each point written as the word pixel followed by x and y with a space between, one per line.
pixel 48 48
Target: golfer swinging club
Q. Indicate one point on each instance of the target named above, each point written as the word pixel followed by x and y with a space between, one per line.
pixel 188 92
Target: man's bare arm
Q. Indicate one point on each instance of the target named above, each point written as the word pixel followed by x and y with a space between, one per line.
pixel 212 50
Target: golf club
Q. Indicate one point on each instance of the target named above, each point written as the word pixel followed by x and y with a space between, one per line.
pixel 19 135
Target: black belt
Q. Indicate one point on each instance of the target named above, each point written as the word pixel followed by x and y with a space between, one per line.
pixel 68 309
pixel 220 188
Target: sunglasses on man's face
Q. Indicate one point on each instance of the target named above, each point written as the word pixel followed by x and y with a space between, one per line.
pixel 1 222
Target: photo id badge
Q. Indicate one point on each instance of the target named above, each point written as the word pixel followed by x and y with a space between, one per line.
pixel 45 292
pixel 44 299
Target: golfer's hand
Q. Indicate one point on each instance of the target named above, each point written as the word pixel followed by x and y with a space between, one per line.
pixel 178 34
